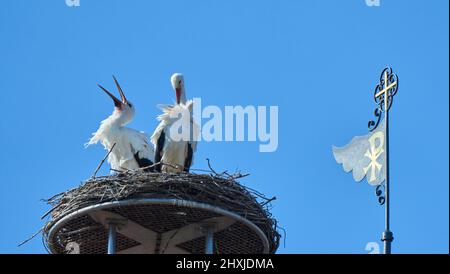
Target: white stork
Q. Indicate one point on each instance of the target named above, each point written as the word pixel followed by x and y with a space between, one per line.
pixel 176 154
pixel 132 149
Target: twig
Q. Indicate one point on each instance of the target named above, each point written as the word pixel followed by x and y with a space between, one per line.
pixel 119 171
pixel 32 236
pixel 101 163
pixel 268 201
pixel 48 212
pixel 210 167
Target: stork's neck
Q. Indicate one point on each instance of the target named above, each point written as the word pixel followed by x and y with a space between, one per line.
pixel 183 96
pixel 118 119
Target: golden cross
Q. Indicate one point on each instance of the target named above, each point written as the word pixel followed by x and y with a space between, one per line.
pixel 386 89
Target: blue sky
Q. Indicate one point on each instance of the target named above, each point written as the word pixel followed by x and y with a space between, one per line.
pixel 319 61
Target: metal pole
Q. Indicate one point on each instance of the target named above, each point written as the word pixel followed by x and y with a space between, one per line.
pixel 387 235
pixel 112 239
pixel 209 240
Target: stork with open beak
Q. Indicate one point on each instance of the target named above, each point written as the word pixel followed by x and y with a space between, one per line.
pixel 132 149
pixel 175 155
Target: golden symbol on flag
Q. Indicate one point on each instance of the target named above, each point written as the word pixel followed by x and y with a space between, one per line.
pixel 373 153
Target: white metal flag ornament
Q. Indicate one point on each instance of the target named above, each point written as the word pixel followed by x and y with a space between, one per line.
pixel 364 156
pixel 368 156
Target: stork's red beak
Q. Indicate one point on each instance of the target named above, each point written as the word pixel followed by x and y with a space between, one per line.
pixel 117 103
pixel 178 91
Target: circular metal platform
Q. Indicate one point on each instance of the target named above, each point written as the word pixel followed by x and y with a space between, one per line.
pixel 155 226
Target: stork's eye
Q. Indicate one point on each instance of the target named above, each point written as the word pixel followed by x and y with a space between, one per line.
pixel 130 105
pixel 179 82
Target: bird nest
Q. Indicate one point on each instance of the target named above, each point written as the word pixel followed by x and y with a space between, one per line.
pixel 218 190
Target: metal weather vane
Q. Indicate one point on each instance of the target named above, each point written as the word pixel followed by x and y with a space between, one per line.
pixel 368 156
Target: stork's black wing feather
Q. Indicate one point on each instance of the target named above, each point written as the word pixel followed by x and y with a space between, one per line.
pixel 159 150
pixel 144 162
pixel 188 160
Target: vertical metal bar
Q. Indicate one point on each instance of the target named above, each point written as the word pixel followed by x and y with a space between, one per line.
pixel 387 235
pixel 209 240
pixel 112 239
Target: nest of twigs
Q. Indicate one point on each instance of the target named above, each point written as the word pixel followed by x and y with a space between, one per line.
pixel 220 190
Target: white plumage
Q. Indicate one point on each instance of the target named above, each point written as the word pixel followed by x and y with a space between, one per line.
pixel 176 154
pixel 132 149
